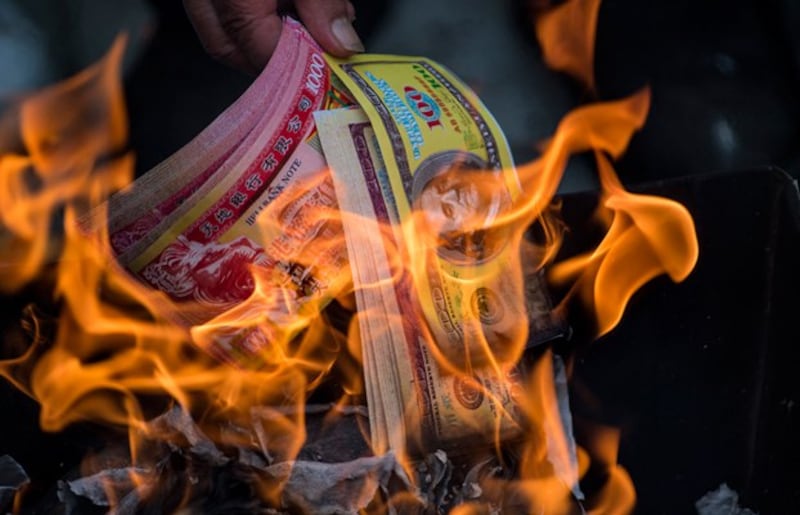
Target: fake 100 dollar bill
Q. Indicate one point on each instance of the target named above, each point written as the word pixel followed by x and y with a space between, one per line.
pixel 413 404
pixel 449 179
pixel 423 175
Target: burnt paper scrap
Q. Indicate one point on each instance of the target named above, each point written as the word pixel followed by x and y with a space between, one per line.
pixel 12 479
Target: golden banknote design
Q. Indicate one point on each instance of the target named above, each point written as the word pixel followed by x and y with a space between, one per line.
pixel 449 180
pixel 404 382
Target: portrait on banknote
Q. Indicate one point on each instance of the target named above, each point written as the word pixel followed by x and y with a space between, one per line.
pixel 459 199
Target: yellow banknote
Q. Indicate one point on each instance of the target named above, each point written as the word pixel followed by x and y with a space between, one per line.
pixel 412 403
pixel 450 181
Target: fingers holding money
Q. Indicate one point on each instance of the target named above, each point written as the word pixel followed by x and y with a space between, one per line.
pixel 244 33
pixel 331 24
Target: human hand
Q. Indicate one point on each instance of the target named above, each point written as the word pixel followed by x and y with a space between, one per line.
pixel 244 33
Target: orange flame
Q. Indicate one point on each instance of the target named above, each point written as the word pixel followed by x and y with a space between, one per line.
pixel 566 34
pixel 617 495
pixel 546 446
pixel 648 236
pixel 603 126
pixel 62 152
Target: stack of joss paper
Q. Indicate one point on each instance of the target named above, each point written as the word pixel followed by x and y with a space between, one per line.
pixel 398 156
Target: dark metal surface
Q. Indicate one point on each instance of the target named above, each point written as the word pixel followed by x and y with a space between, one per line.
pixel 702 377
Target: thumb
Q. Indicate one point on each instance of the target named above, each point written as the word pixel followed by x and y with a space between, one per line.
pixel 330 22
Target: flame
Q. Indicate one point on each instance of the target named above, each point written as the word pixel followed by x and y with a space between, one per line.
pixel 546 445
pixel 566 34
pixel 113 351
pixel 603 126
pixel 61 153
pixel 647 236
pixel 616 495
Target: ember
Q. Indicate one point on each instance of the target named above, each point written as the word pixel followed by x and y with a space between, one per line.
pixel 249 393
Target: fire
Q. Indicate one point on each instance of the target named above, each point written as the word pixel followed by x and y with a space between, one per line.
pixel 115 358
pixel 647 236
pixel 567 35
pixel 62 152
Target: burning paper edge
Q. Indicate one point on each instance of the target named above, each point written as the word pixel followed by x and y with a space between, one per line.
pixel 312 486
pixel 13 480
pixel 568 472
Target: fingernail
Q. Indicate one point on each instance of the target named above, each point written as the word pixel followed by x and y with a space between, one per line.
pixel 344 32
